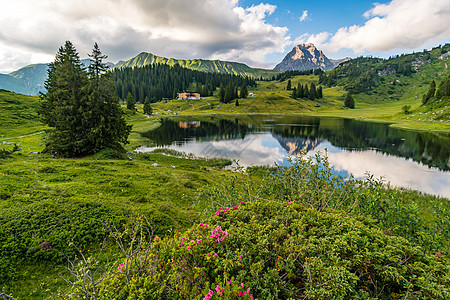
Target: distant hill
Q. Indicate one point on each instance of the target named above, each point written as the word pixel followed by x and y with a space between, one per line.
pixel 211 66
pixel 306 57
pixel 29 80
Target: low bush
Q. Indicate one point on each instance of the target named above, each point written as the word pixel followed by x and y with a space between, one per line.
pixel 284 250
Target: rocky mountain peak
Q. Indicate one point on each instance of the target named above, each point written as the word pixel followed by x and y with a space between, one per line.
pixel 305 57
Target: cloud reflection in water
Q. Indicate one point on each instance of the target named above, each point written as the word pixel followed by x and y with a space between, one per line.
pixel 265 149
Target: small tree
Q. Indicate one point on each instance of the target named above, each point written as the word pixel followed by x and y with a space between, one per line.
pixel 131 102
pixel 300 91
pixel 148 110
pixel 221 93
pixel 289 85
pixel 312 92
pixel 319 92
pixel 294 93
pixel 236 103
pixel 406 109
pixel 430 93
pixel 349 102
pixel 244 91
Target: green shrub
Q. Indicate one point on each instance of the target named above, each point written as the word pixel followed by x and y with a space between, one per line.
pixel 284 250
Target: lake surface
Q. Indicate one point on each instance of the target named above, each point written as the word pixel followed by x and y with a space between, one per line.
pixel 416 160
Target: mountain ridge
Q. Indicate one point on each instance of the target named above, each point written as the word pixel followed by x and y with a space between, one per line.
pixel 204 65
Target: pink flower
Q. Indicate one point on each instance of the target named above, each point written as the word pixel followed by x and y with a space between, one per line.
pixel 230 281
pixel 218 290
pixel 242 202
pixel 240 258
pixel 215 254
pixel 209 295
pixel 235 207
pixel 242 284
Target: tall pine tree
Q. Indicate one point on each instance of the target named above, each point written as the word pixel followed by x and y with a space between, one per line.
pixel 244 91
pixel 147 107
pixel 81 108
pixel 131 102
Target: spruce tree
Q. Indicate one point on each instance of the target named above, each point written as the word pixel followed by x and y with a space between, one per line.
pixel 131 102
pixel 430 93
pixel 444 89
pixel 300 91
pixel 306 91
pixel 294 93
pixel 229 93
pixel 81 108
pixel 221 93
pixel 288 86
pixel 244 90
pixel 106 126
pixel 319 92
pixel 312 91
pixel 349 102
pixel 65 98
pixel 148 110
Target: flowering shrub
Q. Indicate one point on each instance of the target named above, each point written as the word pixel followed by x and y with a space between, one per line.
pixel 279 250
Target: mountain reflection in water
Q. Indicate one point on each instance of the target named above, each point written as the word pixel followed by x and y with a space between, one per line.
pixel 417 160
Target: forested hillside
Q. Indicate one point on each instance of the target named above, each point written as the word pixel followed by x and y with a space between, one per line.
pixel 386 77
pixel 157 81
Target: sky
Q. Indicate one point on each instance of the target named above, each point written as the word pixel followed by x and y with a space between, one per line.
pixel 258 33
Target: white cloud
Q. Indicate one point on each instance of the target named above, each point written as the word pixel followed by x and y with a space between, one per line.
pixel 304 16
pixel 399 24
pixel 215 29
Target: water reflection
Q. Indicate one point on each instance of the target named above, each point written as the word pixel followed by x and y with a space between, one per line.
pixel 404 158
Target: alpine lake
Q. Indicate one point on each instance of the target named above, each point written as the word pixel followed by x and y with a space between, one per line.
pixel 403 158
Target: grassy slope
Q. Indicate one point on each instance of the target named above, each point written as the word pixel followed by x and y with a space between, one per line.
pixel 273 98
pixel 44 191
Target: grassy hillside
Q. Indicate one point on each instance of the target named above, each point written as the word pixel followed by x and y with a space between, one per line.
pixel 377 80
pixel 47 203
pixel 218 66
pixel 272 97
pixel 18 114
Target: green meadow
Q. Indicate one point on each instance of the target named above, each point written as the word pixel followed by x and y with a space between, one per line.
pixel 62 201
